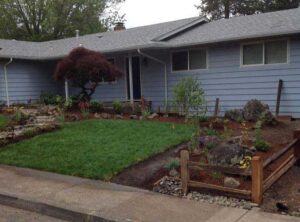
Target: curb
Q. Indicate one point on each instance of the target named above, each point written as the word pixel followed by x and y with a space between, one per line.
pixel 49 210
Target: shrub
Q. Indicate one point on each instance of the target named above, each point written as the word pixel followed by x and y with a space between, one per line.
pixel 189 98
pixel 86 68
pixel 48 99
pixel 84 109
pixel 216 175
pixel 96 106
pixel 117 106
pixel 172 164
pixel 20 117
pixel 260 144
pixel 127 108
pixel 146 113
pixel 227 133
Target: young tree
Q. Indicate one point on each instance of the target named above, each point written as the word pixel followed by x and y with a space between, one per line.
pixel 39 20
pixel 217 9
pixel 86 69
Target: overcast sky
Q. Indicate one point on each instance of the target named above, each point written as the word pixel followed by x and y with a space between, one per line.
pixel 146 12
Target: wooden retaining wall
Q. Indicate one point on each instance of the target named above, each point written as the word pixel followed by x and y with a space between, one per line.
pixel 259 184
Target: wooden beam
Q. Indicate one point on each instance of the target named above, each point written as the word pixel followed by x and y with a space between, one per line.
pixel 197 184
pixel 217 107
pixel 279 90
pixel 257 179
pixel 297 146
pixel 185 175
pixel 282 169
pixel 222 169
pixel 275 156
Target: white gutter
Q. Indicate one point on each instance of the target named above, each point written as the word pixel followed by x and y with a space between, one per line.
pixel 166 74
pixel 5 79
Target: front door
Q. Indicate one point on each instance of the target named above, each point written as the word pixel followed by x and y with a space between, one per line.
pixel 136 78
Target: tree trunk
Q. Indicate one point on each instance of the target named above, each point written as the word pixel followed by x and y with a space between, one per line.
pixel 227 8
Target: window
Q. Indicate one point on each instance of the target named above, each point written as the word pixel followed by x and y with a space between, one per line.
pixel 269 52
pixel 180 61
pixel 253 54
pixel 189 60
pixel 276 52
pixel 198 59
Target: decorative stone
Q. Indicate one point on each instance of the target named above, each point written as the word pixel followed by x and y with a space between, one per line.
pixel 226 154
pixel 105 116
pixel 134 117
pixel 173 173
pixel 119 117
pixel 153 116
pixel 234 114
pixel 254 109
pixel 231 182
pixel 97 116
pixel 209 141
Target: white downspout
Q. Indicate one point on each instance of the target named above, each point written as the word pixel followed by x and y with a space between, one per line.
pixel 130 80
pixel 166 74
pixel 6 81
pixel 66 89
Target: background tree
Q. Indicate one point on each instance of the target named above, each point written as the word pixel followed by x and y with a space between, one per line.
pixel 86 69
pixel 217 9
pixel 39 20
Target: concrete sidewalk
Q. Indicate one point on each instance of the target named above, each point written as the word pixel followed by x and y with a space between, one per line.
pixel 77 199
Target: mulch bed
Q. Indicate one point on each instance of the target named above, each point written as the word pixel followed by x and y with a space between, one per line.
pixel 278 136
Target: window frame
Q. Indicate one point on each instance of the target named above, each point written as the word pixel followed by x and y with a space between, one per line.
pixel 188 60
pixel 113 82
pixel 263 42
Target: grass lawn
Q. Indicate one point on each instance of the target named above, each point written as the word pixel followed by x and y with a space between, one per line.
pixel 3 121
pixel 95 149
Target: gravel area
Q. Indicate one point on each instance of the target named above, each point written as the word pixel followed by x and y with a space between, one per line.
pixel 172 186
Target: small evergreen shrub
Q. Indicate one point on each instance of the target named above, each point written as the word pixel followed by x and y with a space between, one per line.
pixel 117 106
pixel 96 106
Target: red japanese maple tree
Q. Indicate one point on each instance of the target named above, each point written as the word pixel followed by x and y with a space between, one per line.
pixel 86 69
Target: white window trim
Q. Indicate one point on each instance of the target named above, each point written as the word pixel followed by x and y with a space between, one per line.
pixel 188 60
pixel 264 57
pixel 113 82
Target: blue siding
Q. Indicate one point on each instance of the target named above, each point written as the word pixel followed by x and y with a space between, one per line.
pixel 234 85
pixel 27 80
pixel 224 78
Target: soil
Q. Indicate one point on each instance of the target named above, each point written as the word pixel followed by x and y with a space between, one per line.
pixel 286 189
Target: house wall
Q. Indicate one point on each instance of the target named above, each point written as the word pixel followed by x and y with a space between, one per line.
pixel 227 80
pixel 27 80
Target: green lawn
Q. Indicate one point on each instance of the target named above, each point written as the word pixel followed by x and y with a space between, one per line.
pixel 95 149
pixel 3 121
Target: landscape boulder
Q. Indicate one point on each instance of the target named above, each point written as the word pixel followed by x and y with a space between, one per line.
pixel 234 114
pixel 227 154
pixel 231 182
pixel 254 109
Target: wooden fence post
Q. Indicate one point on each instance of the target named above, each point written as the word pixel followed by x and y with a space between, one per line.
pixel 257 179
pixel 297 145
pixel 185 175
pixel 217 107
pixel 279 90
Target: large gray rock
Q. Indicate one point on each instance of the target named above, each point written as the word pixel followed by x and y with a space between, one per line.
pixel 227 154
pixel 231 182
pixel 210 141
pixel 254 109
pixel 234 114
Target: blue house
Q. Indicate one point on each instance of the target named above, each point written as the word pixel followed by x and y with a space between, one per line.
pixel 234 59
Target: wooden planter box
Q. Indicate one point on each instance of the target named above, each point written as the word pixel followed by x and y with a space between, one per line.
pixel 259 185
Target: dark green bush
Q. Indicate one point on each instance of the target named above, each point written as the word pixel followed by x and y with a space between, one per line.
pixel 117 106
pixel 96 106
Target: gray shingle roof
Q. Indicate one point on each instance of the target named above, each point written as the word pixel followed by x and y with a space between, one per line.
pixel 237 28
